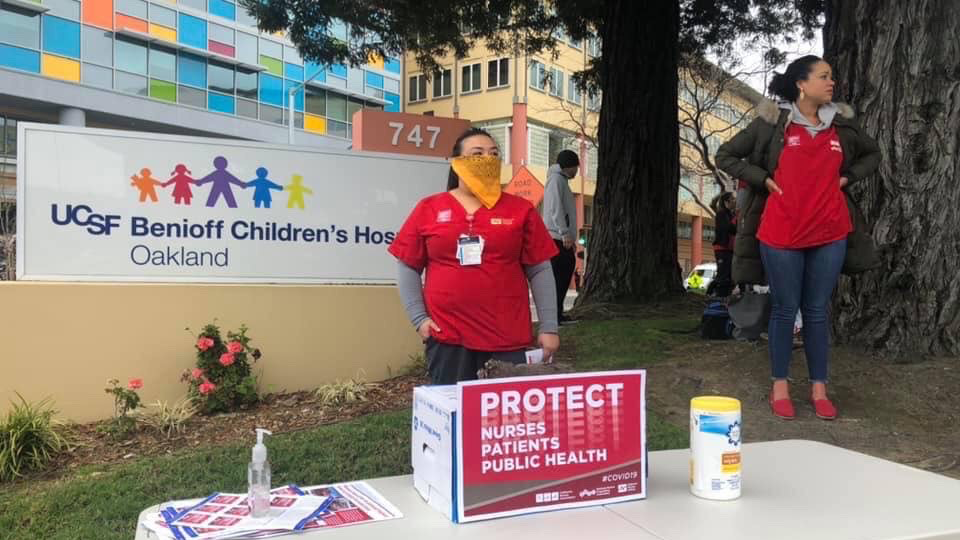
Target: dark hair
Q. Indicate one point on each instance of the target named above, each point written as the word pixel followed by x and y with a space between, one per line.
pixel 784 85
pixel 722 198
pixel 452 179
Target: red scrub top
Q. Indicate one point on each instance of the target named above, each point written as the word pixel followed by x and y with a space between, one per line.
pixel 483 307
pixel 812 210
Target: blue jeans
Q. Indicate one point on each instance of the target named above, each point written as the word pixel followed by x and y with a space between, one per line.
pixel 801 279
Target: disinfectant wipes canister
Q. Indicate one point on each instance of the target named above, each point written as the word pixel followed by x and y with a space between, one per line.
pixel 715 447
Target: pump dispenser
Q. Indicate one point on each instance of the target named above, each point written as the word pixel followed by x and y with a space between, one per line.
pixel 258 478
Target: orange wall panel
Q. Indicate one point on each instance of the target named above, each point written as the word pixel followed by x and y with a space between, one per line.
pixel 132 23
pixel 98 13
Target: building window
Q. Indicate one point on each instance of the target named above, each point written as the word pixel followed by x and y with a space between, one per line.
pixel 247 48
pixel 573 92
pixel 134 8
pixel 192 71
pixel 538 75
pixel 556 82
pixel 593 46
pixel 684 230
pixel 131 55
pixel 220 34
pixel 442 83
pixel 593 102
pixel 220 77
pixel 8 137
pixel 97 46
pixel 316 101
pixel 200 5
pixel 162 15
pixel 470 79
pixel 337 106
pixel 192 97
pixel 163 63
pixel 68 9
pixel 247 84
pixel 418 88
pixel 97 76
pixel 498 73
pixel 19 26
pixel 131 84
pixel 709 233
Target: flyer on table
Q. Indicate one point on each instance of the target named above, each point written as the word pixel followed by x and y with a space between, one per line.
pixel 545 443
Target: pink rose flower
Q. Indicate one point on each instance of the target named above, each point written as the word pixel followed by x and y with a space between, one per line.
pixel 197 373
pixel 204 343
pixel 235 347
pixel 207 388
pixel 226 359
pixel 135 384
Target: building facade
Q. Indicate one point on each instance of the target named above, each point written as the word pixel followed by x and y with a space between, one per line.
pixel 187 67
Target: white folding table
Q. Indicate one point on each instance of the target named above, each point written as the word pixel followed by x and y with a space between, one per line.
pixel 791 490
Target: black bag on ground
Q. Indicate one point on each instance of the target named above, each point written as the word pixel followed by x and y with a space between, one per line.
pixel 715 322
pixel 750 314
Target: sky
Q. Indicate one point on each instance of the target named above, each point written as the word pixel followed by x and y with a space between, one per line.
pixel 752 60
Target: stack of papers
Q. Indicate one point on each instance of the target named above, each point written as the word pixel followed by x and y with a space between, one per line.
pixel 293 509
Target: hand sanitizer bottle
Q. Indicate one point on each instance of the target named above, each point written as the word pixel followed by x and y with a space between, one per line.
pixel 258 479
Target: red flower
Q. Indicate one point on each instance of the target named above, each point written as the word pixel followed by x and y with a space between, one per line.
pixel 226 359
pixel 235 347
pixel 204 343
pixel 135 384
pixel 207 388
pixel 197 373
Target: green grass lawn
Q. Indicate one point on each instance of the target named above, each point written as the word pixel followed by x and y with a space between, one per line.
pixel 104 502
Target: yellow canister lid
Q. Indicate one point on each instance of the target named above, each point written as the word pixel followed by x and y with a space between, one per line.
pixel 715 403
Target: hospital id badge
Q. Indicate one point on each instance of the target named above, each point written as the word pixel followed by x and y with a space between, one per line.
pixel 470 250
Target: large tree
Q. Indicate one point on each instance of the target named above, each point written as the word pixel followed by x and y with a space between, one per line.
pixel 896 62
pixel 633 250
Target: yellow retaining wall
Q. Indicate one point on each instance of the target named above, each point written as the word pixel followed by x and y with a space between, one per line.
pixel 65 340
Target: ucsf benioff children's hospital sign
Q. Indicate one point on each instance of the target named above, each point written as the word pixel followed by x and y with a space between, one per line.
pixel 111 205
pixel 546 443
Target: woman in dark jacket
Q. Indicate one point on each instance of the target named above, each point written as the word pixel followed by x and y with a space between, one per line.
pixel 725 226
pixel 799 157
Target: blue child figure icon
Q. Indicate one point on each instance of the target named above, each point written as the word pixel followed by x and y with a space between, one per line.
pixel 262 185
pixel 221 179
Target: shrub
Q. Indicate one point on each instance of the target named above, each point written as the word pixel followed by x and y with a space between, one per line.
pixel 29 438
pixel 125 401
pixel 340 392
pixel 223 379
pixel 168 419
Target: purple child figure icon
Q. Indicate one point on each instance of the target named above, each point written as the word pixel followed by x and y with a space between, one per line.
pixel 181 185
pixel 221 179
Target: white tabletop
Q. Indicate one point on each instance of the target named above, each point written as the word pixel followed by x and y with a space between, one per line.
pixel 791 490
pixel 801 490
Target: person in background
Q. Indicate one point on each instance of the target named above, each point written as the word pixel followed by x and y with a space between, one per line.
pixel 560 217
pixel 725 224
pixel 478 247
pixel 798 156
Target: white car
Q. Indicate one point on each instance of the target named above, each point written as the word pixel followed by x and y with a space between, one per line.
pixel 706 272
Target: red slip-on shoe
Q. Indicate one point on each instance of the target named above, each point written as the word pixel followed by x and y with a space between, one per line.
pixel 824 409
pixel 782 408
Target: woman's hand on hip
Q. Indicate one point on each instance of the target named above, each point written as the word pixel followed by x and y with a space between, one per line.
pixel 772 187
pixel 844 181
pixel 550 344
pixel 425 327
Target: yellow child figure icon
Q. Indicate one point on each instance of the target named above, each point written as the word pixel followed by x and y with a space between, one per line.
pixel 297 190
pixel 146 183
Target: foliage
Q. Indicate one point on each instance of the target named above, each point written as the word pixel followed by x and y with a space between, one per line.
pixel 340 392
pixel 166 418
pixel 29 438
pixel 223 378
pixel 417 367
pixel 125 401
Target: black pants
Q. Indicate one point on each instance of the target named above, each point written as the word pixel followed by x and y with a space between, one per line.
pixel 723 281
pixel 449 364
pixel 563 265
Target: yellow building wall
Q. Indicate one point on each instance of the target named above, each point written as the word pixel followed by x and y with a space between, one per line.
pixel 65 340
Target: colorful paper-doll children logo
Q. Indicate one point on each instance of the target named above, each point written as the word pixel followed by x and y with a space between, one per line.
pixel 222 181
pixel 181 184
pixel 297 190
pixel 146 184
pixel 262 186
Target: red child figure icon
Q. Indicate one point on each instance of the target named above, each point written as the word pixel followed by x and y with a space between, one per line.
pixel 146 184
pixel 181 181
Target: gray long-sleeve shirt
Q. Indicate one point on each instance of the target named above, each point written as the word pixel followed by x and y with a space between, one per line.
pixel 559 206
pixel 542 286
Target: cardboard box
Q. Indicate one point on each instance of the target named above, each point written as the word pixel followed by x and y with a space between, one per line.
pixel 433 446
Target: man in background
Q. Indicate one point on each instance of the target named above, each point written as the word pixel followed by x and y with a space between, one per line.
pixel 560 216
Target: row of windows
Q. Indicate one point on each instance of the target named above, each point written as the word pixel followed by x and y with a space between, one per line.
pixel 8 136
pixel 552 79
pixel 498 76
pixel 685 231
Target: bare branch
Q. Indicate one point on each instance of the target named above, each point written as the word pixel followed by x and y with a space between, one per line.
pixel 697 200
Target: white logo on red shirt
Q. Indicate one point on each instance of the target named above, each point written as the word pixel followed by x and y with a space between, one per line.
pixel 444 216
pixel 501 221
pixel 793 140
pixel 835 145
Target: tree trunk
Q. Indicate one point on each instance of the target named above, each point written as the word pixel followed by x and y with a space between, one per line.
pixel 633 246
pixel 896 62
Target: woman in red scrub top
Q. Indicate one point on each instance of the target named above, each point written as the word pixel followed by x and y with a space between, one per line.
pixel 479 248
pixel 799 156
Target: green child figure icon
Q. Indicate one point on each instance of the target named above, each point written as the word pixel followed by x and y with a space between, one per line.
pixel 297 190
pixel 146 184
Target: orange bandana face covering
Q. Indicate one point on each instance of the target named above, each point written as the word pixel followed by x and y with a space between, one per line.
pixel 481 175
